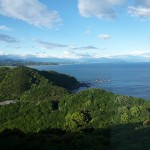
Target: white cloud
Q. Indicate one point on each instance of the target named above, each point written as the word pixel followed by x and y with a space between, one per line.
pixel 145 3
pixel 144 53
pixel 139 11
pixel 99 8
pixel 30 11
pixel 70 55
pixel 5 28
pixel 104 36
pixel 141 8
pixel 2 52
pixel 87 32
pixel 49 45
pixel 77 55
pixel 8 39
pixel 85 48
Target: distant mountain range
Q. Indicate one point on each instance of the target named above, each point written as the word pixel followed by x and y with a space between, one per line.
pixel 19 62
pixel 32 60
pixel 13 59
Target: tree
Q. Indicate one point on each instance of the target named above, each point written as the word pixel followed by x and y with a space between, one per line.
pixel 76 120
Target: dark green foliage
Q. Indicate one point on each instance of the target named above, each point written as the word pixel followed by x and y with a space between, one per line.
pixel 62 80
pixel 146 122
pixel 3 72
pixel 44 92
pixel 76 121
pixel 99 118
pixel 53 139
pixel 133 136
pixel 17 81
pixel 47 116
pixel 31 116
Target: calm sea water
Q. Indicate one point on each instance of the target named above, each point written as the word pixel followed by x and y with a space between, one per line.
pixel 126 79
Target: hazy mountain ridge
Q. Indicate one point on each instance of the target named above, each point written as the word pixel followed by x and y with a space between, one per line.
pixel 4 59
pixel 19 62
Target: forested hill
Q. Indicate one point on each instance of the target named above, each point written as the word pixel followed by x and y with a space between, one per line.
pixel 20 80
pixel 46 116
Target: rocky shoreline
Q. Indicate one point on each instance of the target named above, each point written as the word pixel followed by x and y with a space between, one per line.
pixel 83 84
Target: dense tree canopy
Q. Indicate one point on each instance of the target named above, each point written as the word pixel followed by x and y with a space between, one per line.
pixel 15 81
pixel 47 116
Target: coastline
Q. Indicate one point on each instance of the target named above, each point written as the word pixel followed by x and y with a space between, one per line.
pixel 82 86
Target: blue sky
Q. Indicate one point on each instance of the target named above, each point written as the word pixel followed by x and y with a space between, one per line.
pixel 75 29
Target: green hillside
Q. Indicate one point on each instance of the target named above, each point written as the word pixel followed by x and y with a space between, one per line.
pixel 48 117
pixel 15 81
pixel 65 81
pixel 3 72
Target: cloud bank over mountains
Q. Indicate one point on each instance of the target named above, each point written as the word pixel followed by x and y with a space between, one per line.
pixel 84 58
pixel 107 9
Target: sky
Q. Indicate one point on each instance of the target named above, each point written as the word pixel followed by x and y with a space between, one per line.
pixel 75 29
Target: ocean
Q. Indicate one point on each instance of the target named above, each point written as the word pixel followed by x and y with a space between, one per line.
pixel 131 79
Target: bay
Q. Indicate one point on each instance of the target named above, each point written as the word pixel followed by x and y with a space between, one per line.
pixel 131 79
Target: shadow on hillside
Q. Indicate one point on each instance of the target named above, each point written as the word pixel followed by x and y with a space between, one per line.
pixel 55 139
pixel 62 80
pixel 120 137
pixel 130 137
